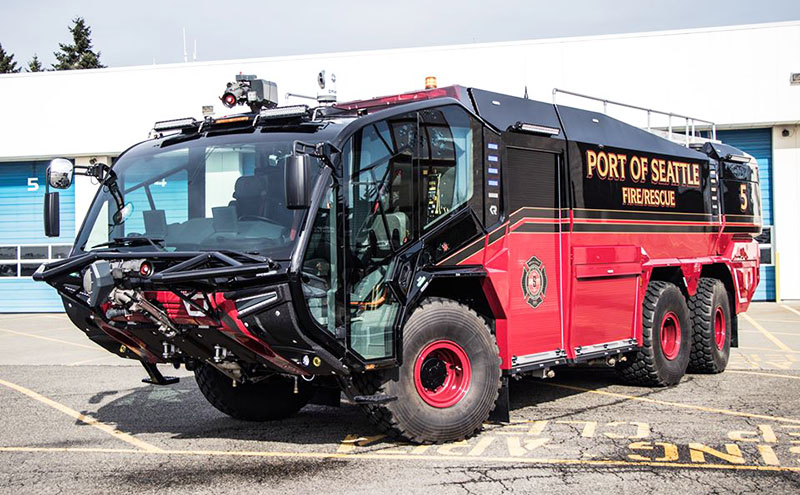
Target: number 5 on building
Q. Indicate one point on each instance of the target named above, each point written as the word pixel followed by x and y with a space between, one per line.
pixel 743 196
pixel 33 184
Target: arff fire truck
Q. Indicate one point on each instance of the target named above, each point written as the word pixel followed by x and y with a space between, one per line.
pixel 411 252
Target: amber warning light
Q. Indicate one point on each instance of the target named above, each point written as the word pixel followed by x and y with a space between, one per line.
pixel 430 82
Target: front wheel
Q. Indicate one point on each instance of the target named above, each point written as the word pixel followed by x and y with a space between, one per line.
pixel 449 380
pixel 269 399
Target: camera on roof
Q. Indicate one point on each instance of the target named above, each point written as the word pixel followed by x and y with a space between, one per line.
pixel 248 90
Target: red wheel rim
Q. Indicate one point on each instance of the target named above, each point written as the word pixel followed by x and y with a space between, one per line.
pixel 670 335
pixel 442 373
pixel 719 327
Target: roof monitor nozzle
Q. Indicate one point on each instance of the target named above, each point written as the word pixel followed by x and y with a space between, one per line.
pixel 327 88
pixel 247 89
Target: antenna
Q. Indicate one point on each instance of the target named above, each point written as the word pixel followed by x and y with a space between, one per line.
pixel 185 55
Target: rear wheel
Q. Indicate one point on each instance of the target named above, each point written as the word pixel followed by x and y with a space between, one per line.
pixel 711 327
pixel 449 380
pixel 666 332
pixel 268 399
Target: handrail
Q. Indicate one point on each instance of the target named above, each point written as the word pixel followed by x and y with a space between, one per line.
pixel 689 121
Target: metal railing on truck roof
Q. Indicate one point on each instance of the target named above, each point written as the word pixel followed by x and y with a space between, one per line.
pixel 689 136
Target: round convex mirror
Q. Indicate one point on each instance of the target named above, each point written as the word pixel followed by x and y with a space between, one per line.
pixel 59 173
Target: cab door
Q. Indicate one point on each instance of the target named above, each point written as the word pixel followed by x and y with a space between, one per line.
pixel 380 222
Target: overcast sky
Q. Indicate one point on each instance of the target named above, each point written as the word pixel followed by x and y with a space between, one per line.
pixel 148 31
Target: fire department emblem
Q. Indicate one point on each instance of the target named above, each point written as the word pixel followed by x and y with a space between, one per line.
pixel 534 282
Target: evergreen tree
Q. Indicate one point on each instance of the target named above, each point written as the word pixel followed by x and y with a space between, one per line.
pixel 7 64
pixel 78 55
pixel 34 65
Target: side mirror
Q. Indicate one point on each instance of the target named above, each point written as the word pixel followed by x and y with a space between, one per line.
pixel 52 217
pixel 297 182
pixel 59 173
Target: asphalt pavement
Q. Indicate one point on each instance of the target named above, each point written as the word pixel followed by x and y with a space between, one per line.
pixel 75 419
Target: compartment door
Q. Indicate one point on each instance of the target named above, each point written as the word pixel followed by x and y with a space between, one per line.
pixel 604 299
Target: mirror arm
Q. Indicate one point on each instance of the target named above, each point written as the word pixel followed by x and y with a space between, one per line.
pixel 326 152
pixel 106 176
pixel 113 188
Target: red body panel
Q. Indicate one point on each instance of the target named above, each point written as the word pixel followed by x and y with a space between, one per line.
pixel 595 280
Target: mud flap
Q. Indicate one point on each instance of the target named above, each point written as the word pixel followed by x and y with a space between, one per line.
pixel 502 407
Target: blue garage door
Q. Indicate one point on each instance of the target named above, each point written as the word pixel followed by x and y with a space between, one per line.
pixel 758 142
pixel 23 245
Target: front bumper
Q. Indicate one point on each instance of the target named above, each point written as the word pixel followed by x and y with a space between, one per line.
pixel 243 314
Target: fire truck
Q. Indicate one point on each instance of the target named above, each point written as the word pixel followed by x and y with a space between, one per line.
pixel 410 253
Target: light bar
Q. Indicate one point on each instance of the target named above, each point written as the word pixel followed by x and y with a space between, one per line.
pixel 168 125
pixel 537 129
pixel 283 112
pixel 738 158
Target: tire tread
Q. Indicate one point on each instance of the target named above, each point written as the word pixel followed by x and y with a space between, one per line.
pixel 641 367
pixel 701 359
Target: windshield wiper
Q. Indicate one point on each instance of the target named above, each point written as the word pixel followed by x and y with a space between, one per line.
pixel 130 241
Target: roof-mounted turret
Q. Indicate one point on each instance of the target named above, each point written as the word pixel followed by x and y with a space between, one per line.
pixel 247 89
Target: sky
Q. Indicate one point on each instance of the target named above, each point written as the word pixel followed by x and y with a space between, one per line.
pixel 150 31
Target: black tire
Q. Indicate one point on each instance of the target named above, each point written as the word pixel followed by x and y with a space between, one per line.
pixel 664 308
pixel 269 399
pixel 711 312
pixel 410 417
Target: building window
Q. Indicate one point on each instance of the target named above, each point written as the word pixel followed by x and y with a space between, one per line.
pixel 23 260
pixel 766 246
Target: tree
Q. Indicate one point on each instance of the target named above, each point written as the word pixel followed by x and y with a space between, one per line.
pixel 34 65
pixel 7 64
pixel 78 55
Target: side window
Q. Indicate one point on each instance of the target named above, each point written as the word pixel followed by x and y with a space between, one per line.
pixel 381 194
pixel 447 162
pixel 321 266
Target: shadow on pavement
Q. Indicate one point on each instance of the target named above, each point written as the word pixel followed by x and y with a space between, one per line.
pixel 182 411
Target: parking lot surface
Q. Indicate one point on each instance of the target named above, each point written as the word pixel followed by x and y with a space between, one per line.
pixel 75 419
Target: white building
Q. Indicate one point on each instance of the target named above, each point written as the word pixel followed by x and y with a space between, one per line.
pixel 739 77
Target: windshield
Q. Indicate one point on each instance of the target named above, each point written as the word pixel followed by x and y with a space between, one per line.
pixel 212 193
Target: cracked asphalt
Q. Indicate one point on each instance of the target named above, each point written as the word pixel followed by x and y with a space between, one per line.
pixel 77 420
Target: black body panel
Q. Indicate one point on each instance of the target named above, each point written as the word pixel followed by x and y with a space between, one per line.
pixel 503 111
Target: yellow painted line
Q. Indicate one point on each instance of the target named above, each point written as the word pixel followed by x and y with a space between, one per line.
pixel 86 450
pixel 324 455
pixel 51 339
pixel 82 417
pixel 18 317
pixel 675 404
pixel 788 334
pixel 57 317
pixel 790 309
pixel 766 333
pixel 92 360
pixel 766 349
pixel 776 375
